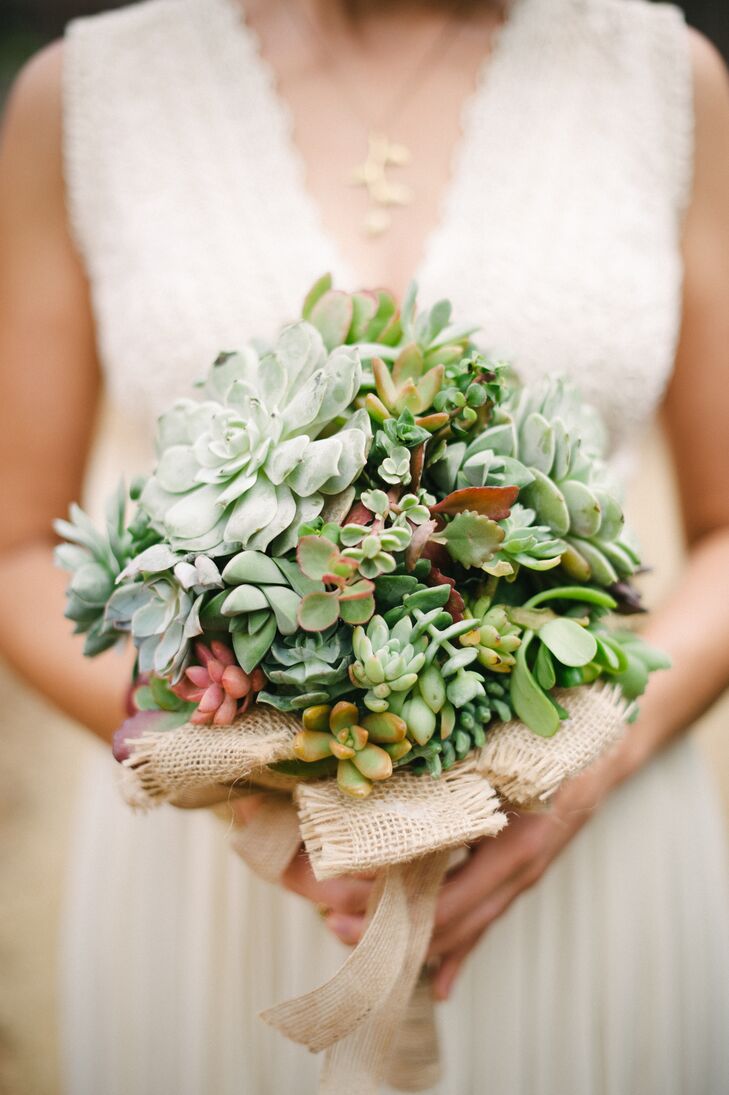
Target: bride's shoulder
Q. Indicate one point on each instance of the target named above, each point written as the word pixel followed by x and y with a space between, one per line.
pixel 32 120
pixel 37 92
pixel 132 20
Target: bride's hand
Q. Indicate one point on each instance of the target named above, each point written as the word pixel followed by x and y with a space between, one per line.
pixel 495 873
pixel 500 869
pixel 346 897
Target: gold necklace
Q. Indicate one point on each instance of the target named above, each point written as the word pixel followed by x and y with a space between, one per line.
pixel 373 173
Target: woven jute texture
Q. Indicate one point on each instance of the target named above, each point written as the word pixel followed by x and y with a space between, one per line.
pixel 374 1019
pixel 354 1016
pixel 193 760
pixel 404 817
pixel 415 1058
pixel 269 841
pixel 527 769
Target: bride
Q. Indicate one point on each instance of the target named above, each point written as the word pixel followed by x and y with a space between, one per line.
pixel 173 177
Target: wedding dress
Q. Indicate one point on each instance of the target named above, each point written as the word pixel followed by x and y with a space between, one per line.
pixel 560 236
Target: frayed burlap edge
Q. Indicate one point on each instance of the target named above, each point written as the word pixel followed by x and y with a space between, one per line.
pixel 403 818
pixel 527 769
pixel 179 765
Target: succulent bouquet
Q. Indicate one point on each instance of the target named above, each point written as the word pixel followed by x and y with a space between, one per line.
pixel 366 554
pixel 373 525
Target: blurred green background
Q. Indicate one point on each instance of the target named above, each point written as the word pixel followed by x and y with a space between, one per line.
pixel 25 25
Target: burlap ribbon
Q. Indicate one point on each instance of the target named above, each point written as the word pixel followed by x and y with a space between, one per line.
pixel 374 1019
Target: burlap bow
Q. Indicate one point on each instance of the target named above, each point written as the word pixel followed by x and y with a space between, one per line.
pixel 405 831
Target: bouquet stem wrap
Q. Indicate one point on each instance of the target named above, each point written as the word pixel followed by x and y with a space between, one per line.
pixel 405 831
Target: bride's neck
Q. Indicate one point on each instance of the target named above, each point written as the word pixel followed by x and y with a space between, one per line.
pixel 374 23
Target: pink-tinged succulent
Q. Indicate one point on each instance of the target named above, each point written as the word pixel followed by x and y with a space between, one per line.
pixel 219 687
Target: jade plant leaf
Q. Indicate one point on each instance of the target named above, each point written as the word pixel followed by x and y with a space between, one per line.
pixel 530 703
pixel 570 643
pixel 316 556
pixel 250 649
pixel 318 611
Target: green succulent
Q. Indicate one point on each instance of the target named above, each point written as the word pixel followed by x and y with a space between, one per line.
pixel 395 468
pixel 351 599
pixel 470 389
pixel 408 385
pixel 545 442
pixel 308 668
pixel 386 660
pixel 525 544
pixel 352 318
pixel 162 618
pixel 372 551
pixel 261 604
pixel 398 649
pixel 462 734
pixel 95 560
pixel 494 637
pixel 627 658
pixel 364 748
pixel 372 322
pixel 247 465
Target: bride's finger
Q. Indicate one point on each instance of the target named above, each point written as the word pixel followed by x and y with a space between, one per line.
pixel 447 973
pixel 459 931
pixel 487 870
pixel 348 929
pixel 343 895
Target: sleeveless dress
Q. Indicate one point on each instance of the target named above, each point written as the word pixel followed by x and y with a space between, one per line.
pixel 560 236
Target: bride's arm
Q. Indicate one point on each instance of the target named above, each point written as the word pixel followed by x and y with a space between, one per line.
pixel 693 626
pixel 48 393
pixel 49 387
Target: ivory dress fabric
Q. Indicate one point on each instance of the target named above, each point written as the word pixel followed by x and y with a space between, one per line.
pixel 560 236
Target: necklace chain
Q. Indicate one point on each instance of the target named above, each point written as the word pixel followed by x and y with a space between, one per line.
pixel 382 153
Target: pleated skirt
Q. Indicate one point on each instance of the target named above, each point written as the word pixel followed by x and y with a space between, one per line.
pixel 609 977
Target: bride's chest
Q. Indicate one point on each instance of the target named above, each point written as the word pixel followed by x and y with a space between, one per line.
pixel 558 234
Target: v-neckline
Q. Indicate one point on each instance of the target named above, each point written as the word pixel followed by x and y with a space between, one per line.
pixel 477 103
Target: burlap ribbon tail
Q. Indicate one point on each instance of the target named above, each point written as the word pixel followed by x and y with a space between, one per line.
pixel 374 1018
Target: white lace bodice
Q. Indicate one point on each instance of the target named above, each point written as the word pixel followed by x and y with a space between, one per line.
pixel 559 231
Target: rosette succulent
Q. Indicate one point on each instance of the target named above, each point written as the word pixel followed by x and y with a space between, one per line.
pixel 247 465
pixel 372 551
pixel 219 687
pixel 95 560
pixel 162 618
pixel 494 637
pixel 386 660
pixel 260 600
pixel 364 748
pixel 308 667
pixel 544 441
pixel 409 385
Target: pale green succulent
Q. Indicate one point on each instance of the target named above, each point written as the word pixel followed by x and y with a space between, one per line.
pixel 525 544
pixel 494 637
pixel 95 559
pixel 395 468
pixel 264 601
pixel 372 551
pixel 386 660
pixel 308 668
pixel 247 466
pixel 162 618
pixel 544 441
pixel 413 508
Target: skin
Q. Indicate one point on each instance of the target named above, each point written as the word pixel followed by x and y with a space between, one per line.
pixel 46 428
